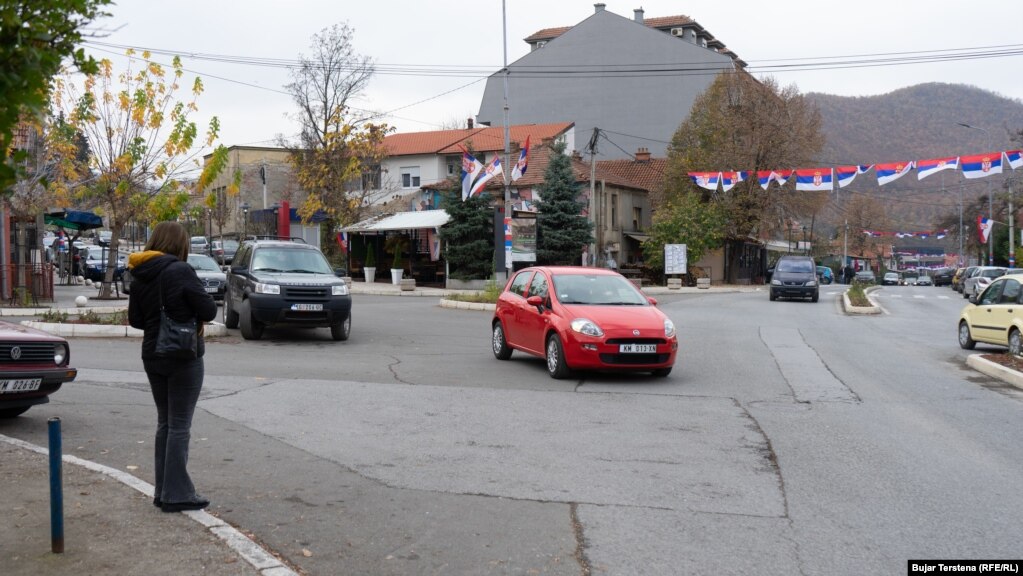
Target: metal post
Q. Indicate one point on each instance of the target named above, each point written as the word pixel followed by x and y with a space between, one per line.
pixel 507 150
pixel 962 257
pixel 845 246
pixel 1012 230
pixel 262 175
pixel 991 217
pixel 56 488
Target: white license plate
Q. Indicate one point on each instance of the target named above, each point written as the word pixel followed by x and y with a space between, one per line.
pixel 637 348
pixel 23 385
pixel 307 307
pixel 211 289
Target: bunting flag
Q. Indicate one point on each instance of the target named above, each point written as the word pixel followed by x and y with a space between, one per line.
pixel 981 165
pixel 925 168
pixel 765 177
pixel 730 179
pixel 872 233
pixel 492 170
pixel 941 234
pixel 814 179
pixel 342 241
pixel 707 180
pixel 984 228
pixel 864 168
pixel 782 176
pixel 471 168
pixel 1014 158
pixel 891 172
pixel 520 167
pixel 846 174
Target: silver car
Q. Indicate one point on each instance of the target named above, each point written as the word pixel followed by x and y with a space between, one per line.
pixel 981 279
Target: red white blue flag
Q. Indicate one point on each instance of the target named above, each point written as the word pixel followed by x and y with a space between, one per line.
pixel 707 180
pixel 492 170
pixel 1014 158
pixel 981 165
pixel 925 168
pixel 765 177
pixel 984 228
pixel 730 179
pixel 891 172
pixel 846 174
pixel 471 169
pixel 520 167
pixel 342 241
pixel 815 179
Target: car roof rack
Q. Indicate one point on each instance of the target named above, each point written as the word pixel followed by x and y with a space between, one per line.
pixel 279 238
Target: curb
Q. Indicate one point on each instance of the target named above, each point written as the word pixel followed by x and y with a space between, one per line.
pixel 69 311
pixel 459 305
pixel 212 330
pixel 253 553
pixel 860 310
pixel 995 370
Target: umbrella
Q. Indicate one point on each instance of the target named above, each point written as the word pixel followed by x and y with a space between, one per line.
pixel 74 220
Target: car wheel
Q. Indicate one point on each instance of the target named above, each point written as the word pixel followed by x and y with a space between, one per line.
pixel 662 372
pixel 1015 343
pixel 965 295
pixel 340 331
pixel 251 328
pixel 556 366
pixel 965 341
pixel 501 349
pixel 773 296
pixel 816 296
pixel 13 412
pixel 230 316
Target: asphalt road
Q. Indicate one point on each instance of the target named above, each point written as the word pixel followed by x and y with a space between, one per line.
pixel 790 439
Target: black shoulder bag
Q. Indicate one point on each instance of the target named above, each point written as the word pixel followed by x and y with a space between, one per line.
pixel 176 339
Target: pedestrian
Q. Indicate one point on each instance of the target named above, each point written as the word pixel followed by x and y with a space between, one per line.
pixel 161 276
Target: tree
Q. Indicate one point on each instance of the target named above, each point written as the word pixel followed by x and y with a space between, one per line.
pixel 686 220
pixel 468 237
pixel 562 230
pixel 35 37
pixel 143 143
pixel 865 213
pixel 741 123
pixel 335 148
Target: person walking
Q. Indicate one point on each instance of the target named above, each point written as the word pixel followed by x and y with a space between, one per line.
pixel 161 277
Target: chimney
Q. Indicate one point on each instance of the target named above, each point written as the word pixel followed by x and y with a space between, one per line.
pixel 468 123
pixel 599 7
pixel 643 155
pixel 637 14
pixel 577 155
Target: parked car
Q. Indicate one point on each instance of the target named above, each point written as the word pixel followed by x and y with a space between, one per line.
pixel 103 237
pixel 212 277
pixel 959 277
pixel 94 263
pixel 996 316
pixel 980 279
pixel 284 283
pixel 224 250
pixel 199 245
pixel 795 277
pixel 825 275
pixel 943 276
pixel 924 280
pixel 865 277
pixel 891 279
pixel 582 319
pixel 33 365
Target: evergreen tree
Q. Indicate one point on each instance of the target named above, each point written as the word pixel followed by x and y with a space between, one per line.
pixel 468 237
pixel 562 230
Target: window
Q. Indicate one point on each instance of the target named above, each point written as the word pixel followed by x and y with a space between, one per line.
pixel 614 211
pixel 637 217
pixel 538 287
pixel 371 178
pixel 518 285
pixel 990 296
pixel 454 165
pixel 1010 292
pixel 410 177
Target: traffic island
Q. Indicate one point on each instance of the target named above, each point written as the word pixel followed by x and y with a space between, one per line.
pixel 850 308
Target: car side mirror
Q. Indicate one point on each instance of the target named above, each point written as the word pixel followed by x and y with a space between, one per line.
pixel 340 272
pixel 239 270
pixel 973 298
pixel 652 300
pixel 536 301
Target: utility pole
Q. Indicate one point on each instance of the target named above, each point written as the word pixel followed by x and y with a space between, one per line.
pixel 507 151
pixel 991 235
pixel 593 193
pixel 1012 229
pixel 845 246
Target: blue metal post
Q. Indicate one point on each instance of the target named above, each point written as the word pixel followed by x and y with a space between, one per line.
pixel 56 489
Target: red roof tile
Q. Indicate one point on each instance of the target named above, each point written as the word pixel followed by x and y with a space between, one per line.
pixel 481 139
pixel 649 174
pixel 539 158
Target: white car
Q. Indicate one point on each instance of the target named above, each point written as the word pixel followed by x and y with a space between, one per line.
pixel 981 279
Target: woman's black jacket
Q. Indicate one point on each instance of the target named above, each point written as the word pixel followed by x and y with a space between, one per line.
pixel 183 296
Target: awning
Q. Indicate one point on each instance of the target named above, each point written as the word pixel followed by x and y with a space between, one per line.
pixel 401 221
pixel 74 220
pixel 637 236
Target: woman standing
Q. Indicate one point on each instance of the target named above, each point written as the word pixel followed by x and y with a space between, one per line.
pixel 161 274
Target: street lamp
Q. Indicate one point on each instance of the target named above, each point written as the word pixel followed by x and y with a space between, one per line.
pixel 806 249
pixel 245 221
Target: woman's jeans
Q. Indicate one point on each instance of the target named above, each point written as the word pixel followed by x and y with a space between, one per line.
pixel 176 385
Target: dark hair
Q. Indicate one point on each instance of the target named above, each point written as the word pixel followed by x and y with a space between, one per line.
pixel 170 238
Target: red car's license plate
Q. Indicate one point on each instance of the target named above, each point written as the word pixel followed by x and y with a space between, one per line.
pixel 637 348
pixel 22 385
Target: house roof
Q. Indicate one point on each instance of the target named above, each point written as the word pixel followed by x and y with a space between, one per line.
pixel 647 174
pixel 482 139
pixel 401 221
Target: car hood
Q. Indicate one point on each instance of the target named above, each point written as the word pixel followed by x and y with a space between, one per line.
pixel 208 274
pixel 643 318
pixel 17 332
pixel 292 279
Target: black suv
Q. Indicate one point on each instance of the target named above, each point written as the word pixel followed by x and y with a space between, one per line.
pixel 795 276
pixel 285 283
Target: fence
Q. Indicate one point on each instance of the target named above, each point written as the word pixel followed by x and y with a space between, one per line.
pixel 28 283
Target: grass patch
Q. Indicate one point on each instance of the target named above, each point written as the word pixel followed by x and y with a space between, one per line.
pixel 857 295
pixel 488 295
pixel 87 317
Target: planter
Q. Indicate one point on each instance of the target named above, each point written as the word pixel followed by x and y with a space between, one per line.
pixel 408 284
pixel 396 275
pixel 371 274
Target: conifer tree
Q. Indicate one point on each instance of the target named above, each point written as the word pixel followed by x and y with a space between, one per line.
pixel 562 230
pixel 468 237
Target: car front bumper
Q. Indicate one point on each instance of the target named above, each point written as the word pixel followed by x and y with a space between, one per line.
pixel 279 310
pixel 52 379
pixel 587 353
pixel 794 291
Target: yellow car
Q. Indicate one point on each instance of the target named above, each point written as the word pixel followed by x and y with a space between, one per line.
pixel 995 316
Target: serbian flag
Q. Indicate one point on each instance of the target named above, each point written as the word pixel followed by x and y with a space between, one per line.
pixel 765 177
pixel 925 168
pixel 708 180
pixel 846 174
pixel 981 165
pixel 984 228
pixel 782 176
pixel 520 166
pixel 342 241
pixel 891 172
pixel 814 179
pixel 492 170
pixel 471 168
pixel 1014 158
pixel 730 179
pixel 941 234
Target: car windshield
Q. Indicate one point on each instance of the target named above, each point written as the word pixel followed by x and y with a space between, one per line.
pixel 795 266
pixel 993 273
pixel 203 262
pixel 597 289
pixel 290 260
pixel 891 275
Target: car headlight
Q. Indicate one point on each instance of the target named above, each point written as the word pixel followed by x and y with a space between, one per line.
pixel 775 282
pixel 587 327
pixel 811 283
pixel 339 290
pixel 60 353
pixel 669 328
pixel 267 288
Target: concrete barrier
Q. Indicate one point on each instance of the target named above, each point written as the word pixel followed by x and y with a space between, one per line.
pixel 703 283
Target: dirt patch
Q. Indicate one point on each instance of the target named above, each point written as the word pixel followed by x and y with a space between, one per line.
pixel 1005 359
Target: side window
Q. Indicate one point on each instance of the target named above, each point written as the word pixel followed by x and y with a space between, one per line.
pixel 538 287
pixel 990 296
pixel 242 257
pixel 518 284
pixel 1010 292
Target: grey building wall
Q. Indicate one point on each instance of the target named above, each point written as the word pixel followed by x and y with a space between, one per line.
pixel 577 77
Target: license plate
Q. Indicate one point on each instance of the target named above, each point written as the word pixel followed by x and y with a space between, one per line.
pixel 637 348
pixel 307 307
pixel 211 289
pixel 23 385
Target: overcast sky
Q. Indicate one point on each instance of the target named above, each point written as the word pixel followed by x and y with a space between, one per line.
pixel 253 107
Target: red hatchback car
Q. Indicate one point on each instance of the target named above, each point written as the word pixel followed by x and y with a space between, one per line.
pixel 33 365
pixel 582 319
